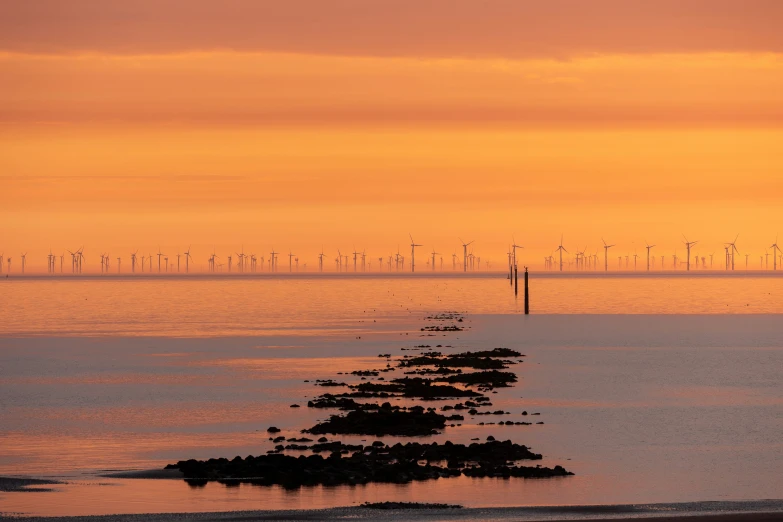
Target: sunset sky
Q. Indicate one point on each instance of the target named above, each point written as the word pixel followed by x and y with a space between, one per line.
pixel 294 124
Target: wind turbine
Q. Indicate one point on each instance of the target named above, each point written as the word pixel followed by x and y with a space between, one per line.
pixel 732 249
pixel 187 260
pixel 290 258
pixel 413 253
pixel 321 260
pixel 688 245
pixel 649 247
pixel 514 247
pixel 465 254
pixel 273 261
pixel 433 258
pixel 74 256
pixel 24 260
pixel 160 254
pixel 775 249
pixel 561 249
pixel 355 253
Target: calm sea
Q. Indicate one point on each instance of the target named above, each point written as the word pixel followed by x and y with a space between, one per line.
pixel 651 389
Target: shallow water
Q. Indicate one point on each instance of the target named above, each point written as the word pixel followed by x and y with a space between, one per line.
pixel 662 407
pixel 319 304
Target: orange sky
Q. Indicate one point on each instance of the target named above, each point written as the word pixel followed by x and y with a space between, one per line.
pixel 289 125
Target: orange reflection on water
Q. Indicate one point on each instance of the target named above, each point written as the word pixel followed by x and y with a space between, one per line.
pixel 313 305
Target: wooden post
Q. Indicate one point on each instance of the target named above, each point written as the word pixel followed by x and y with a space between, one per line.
pixel 527 295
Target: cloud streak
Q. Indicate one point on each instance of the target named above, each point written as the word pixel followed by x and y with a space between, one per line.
pixel 422 28
pixel 303 90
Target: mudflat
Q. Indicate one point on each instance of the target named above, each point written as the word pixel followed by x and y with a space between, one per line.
pixel 592 513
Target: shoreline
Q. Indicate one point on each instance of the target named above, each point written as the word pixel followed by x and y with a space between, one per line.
pixel 717 511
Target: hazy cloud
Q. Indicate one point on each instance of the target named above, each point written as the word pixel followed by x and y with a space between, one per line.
pixel 500 28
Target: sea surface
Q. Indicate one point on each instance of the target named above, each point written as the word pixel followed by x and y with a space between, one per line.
pixel 659 389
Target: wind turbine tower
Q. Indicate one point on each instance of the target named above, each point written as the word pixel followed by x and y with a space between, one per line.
pixel 465 254
pixel 649 247
pixel 688 245
pixel 273 261
pixel 775 250
pixel 561 249
pixel 514 247
pixel 732 249
pixel 187 260
pixel 413 253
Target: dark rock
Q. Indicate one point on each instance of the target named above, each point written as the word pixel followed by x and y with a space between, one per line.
pixel 386 421
pixel 491 378
pixel 329 382
pixel 377 463
pixel 407 505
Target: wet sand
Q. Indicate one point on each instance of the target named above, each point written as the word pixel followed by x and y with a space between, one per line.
pixel 554 514
pixel 8 484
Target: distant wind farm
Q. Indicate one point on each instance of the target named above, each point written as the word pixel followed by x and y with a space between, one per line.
pixel 464 258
